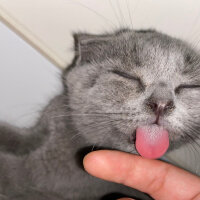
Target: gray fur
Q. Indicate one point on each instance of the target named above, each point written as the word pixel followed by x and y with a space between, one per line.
pixel 106 97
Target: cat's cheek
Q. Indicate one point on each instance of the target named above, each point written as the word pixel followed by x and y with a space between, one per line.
pixel 189 101
pixel 175 122
pixel 189 96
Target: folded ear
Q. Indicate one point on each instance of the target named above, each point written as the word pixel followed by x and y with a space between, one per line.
pixel 91 48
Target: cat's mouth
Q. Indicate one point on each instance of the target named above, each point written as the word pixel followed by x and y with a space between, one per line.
pixel 151 141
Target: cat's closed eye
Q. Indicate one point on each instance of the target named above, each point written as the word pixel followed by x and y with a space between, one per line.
pixel 130 77
pixel 184 86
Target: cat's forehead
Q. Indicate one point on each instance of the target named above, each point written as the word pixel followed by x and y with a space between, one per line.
pixel 144 52
pixel 149 48
pixel 150 52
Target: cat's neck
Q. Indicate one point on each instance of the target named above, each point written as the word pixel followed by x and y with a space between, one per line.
pixel 63 141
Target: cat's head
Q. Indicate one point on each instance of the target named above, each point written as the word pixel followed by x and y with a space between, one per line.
pixel 126 82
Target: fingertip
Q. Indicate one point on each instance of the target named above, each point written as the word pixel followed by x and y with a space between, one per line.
pixel 88 160
pixel 93 160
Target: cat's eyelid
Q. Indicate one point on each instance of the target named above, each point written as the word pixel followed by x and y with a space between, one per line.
pixel 186 86
pixel 124 74
pixel 128 76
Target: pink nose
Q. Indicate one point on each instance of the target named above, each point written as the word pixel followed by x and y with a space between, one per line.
pixel 160 107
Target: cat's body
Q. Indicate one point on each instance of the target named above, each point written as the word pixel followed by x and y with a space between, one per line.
pixel 107 95
pixel 54 170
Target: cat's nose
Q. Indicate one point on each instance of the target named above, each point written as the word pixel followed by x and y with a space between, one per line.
pixel 161 100
pixel 160 106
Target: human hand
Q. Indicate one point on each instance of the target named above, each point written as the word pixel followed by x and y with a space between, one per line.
pixel 160 180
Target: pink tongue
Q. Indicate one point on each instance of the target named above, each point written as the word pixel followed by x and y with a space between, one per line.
pixel 152 141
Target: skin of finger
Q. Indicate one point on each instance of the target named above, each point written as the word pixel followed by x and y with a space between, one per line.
pixel 160 180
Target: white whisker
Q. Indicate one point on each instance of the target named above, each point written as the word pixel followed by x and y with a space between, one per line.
pixel 94 11
pixel 120 13
pixel 115 13
pixel 129 13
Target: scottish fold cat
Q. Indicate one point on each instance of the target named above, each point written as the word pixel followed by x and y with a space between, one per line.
pixel 134 91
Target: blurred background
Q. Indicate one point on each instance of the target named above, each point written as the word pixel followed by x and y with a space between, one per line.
pixel 36 43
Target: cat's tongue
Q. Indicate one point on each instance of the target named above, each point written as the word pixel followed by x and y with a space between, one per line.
pixel 152 141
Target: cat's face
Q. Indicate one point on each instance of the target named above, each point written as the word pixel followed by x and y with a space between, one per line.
pixel 133 79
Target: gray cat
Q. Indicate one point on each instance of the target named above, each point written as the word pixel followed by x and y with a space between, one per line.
pixel 122 90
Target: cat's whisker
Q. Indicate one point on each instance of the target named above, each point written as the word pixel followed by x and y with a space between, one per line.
pixel 196 156
pixel 75 136
pixel 115 12
pixel 134 9
pixel 195 35
pixel 120 13
pixel 93 114
pixel 193 156
pixel 129 13
pixel 192 152
pixel 95 12
pixel 127 130
pixel 93 146
pixel 105 122
pixel 194 44
pixel 192 31
pixel 192 138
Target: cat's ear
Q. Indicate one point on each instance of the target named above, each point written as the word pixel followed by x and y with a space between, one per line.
pixel 95 48
pixel 90 48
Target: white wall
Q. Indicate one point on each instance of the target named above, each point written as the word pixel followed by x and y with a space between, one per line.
pixel 27 79
pixel 49 24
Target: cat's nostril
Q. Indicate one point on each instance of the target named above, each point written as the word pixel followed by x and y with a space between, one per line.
pixel 153 106
pixel 169 105
pixel 160 106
